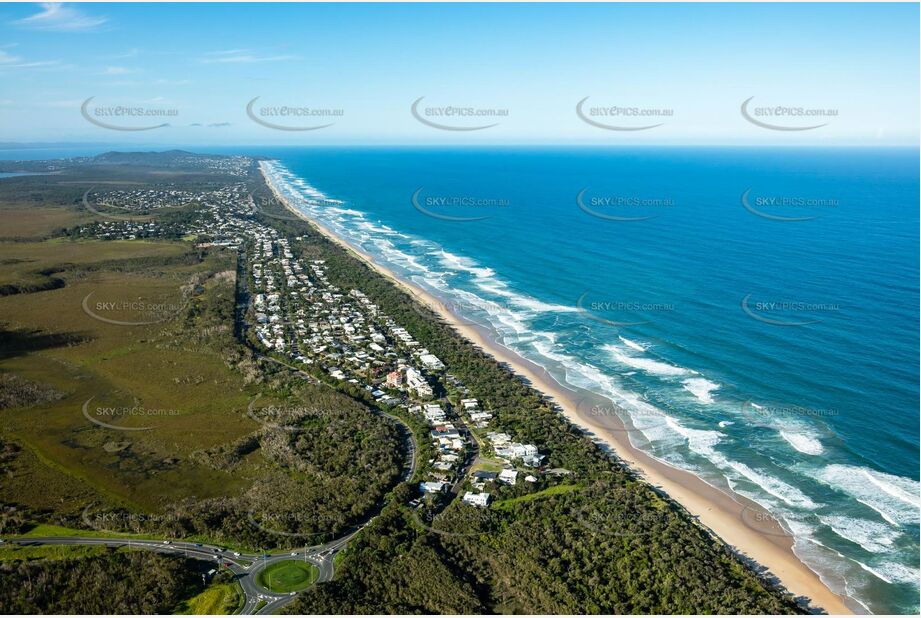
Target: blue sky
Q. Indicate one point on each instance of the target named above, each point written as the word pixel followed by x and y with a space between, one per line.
pixel 689 67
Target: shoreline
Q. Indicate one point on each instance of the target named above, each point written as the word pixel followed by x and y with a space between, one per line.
pixel 729 517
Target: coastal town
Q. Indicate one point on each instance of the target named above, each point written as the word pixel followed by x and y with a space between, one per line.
pixel 392 309
pixel 459 446
pixel 296 314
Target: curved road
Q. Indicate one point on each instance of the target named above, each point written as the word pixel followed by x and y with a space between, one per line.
pixel 245 567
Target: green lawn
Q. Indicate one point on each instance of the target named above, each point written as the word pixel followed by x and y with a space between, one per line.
pixel 287 576
pixel 49 530
pixel 218 599
pixel 550 491
pixel 18 553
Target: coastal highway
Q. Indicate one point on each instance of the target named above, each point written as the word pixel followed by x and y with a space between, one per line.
pixel 245 567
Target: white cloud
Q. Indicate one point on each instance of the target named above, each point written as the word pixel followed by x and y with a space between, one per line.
pixel 7 58
pixel 58 17
pixel 9 61
pixel 37 64
pixel 172 82
pixel 73 103
pixel 131 53
pixel 239 56
pixel 117 71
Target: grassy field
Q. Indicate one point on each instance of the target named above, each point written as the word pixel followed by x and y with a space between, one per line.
pixel 50 530
pixel 133 376
pixel 287 576
pixel 17 553
pixel 32 221
pixel 124 388
pixel 216 600
pixel 550 491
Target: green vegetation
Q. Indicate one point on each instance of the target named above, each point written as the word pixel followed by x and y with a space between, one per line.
pixel 222 468
pixel 217 599
pixel 50 530
pixel 550 491
pixel 18 553
pixel 206 469
pixel 603 542
pixel 287 576
pixel 114 583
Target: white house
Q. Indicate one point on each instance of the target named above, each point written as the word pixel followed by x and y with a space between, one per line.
pixel 431 361
pixel 480 500
pixel 432 487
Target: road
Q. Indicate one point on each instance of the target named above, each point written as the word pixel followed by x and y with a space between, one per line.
pixel 409 436
pixel 245 567
pixel 409 442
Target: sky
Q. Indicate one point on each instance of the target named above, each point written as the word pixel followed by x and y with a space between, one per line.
pixel 486 74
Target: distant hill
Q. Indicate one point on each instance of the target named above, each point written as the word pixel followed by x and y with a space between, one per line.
pixel 165 157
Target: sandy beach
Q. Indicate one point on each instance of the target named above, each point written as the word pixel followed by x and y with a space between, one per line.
pixel 738 522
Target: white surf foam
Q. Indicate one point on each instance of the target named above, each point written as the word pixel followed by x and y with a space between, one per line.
pixel 802 442
pixel 459 262
pixel 701 388
pixel 895 572
pixel 895 498
pixel 632 344
pixel 645 364
pixel 774 486
pixel 873 536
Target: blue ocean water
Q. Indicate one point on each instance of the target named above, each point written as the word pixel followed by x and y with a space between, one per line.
pixel 777 356
pixel 752 312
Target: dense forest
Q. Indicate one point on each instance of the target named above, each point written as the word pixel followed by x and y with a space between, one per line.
pixel 611 544
pixel 590 538
pixel 115 583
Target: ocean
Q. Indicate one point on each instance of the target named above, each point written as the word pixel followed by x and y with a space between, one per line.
pixel 751 314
